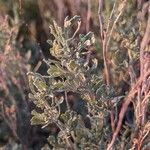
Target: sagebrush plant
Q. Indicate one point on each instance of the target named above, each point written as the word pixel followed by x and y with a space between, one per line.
pixel 73 70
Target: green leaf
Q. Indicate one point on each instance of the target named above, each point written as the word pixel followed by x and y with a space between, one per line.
pixel 38 118
pixel 31 96
pixel 69 23
pixel 56 50
pixel 55 71
pixel 72 66
pixel 40 84
pixel 88 39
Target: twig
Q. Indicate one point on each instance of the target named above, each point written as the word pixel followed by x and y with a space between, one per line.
pixel 112 120
pixel 111 15
pixel 112 29
pixel 125 105
pixel 104 41
pixel 66 99
pixel 145 41
pixel 78 28
pixel 101 4
pixel 37 66
pixel 145 136
pixel 62 127
pixel 121 116
pixel 88 16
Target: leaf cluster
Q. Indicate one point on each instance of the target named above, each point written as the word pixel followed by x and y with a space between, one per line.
pixel 73 70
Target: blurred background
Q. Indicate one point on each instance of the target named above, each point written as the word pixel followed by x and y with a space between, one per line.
pixel 34 17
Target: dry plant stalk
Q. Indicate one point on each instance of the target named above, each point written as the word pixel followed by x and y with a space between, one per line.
pixel 139 93
pixel 106 33
pixel 104 43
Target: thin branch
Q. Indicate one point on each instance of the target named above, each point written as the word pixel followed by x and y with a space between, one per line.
pixel 111 15
pixel 113 26
pixel 104 40
pixel 88 16
pixel 101 18
pixel 112 120
pixel 125 105
pixel 66 99
pixel 75 33
pixel 78 28
pixel 145 41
